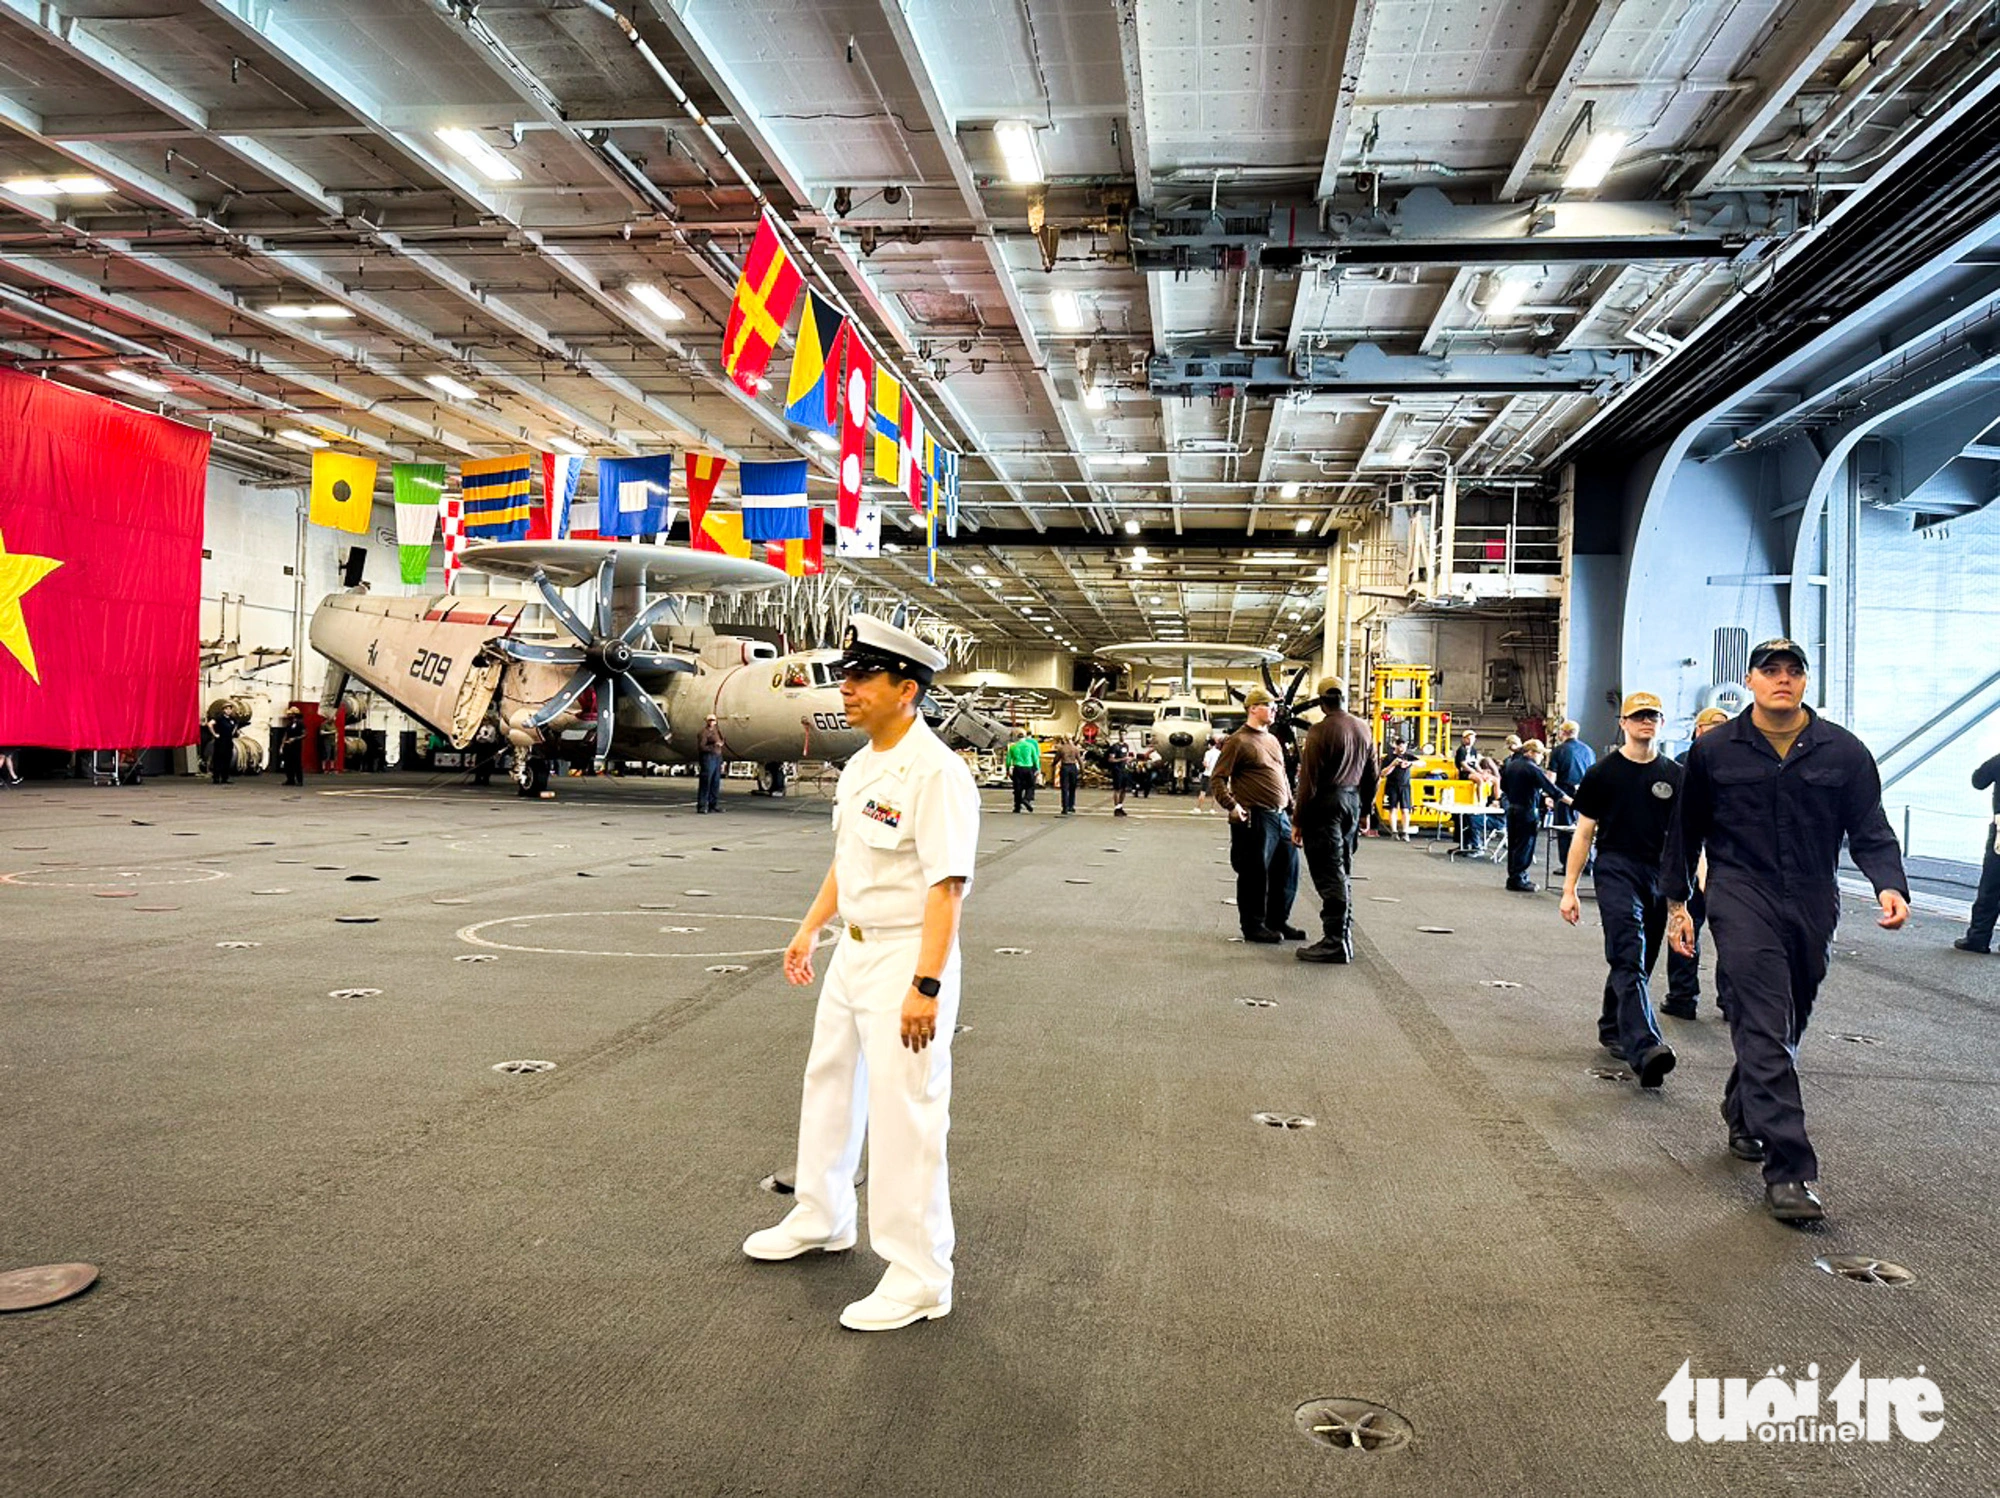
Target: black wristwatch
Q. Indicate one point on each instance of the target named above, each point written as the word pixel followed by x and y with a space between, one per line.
pixel 930 988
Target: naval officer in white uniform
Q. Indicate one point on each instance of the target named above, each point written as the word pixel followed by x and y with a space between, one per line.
pixel 905 827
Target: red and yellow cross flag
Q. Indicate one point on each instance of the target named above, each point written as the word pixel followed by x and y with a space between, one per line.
pixel 765 292
pixel 343 490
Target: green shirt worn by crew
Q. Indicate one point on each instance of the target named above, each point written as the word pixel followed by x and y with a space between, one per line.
pixel 1024 754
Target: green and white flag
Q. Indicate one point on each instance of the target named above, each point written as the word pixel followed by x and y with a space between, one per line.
pixel 419 488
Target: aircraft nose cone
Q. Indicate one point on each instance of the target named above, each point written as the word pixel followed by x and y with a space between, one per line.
pixel 1180 740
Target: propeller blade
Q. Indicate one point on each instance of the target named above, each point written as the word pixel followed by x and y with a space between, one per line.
pixel 1292 691
pixel 648 708
pixel 658 663
pixel 662 608
pixel 1270 681
pixel 607 715
pixel 561 610
pixel 563 700
pixel 605 572
pixel 544 655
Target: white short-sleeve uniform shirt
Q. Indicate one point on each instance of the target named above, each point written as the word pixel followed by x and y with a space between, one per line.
pixel 902 821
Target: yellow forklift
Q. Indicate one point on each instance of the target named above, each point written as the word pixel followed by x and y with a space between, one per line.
pixel 1400 707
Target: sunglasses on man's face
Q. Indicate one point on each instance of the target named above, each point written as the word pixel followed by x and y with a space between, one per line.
pixel 1645 717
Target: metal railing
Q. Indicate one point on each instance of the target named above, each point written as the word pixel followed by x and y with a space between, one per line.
pixel 1506 548
pixel 1955 836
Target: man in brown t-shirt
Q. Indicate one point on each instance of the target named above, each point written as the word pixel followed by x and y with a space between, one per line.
pixel 1250 785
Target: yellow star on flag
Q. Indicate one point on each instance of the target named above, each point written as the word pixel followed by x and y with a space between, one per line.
pixel 17 575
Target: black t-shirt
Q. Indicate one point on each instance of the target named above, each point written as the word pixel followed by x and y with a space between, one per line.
pixel 1396 769
pixel 1631 804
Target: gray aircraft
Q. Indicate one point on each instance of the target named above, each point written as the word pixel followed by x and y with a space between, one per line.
pixel 637 676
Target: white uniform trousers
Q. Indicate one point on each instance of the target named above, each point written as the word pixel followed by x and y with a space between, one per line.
pixel 862 1080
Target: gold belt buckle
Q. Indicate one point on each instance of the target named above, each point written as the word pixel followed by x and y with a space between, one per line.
pixel 855 932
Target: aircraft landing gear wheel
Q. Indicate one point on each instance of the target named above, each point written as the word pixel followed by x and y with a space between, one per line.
pixel 531 775
pixel 771 779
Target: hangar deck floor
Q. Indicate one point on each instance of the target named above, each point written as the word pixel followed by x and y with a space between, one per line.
pixel 342 1255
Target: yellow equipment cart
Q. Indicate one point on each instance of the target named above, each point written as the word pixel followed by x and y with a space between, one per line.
pixel 1400 707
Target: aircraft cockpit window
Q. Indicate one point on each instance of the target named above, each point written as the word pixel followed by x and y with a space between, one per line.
pixel 1199 714
pixel 823 674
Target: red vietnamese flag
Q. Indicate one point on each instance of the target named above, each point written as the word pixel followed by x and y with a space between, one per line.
pixel 100 571
pixel 704 472
pixel 765 292
pixel 859 379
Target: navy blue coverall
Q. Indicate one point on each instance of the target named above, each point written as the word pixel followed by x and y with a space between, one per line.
pixel 1772 829
pixel 1684 973
pixel 1986 904
pixel 1569 761
pixel 1524 787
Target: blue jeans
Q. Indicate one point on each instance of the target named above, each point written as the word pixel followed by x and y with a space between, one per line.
pixel 1267 869
pixel 708 787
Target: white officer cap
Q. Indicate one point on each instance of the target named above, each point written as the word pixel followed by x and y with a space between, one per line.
pixel 877 645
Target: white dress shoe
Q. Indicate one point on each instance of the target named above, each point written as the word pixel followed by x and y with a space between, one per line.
pixel 781 1242
pixel 878 1313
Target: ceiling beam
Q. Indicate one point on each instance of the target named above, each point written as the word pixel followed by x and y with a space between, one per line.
pixel 1354 45
pixel 1578 43
pixel 910 54
pixel 253 361
pixel 1131 57
pixel 258 22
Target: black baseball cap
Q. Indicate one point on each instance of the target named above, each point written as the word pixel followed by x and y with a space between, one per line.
pixel 1770 650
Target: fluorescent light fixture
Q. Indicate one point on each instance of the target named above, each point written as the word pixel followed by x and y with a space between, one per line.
pixel 1594 165
pixel 1133 460
pixel 474 147
pixel 1069 316
pixel 977 570
pixel 301 439
pixel 451 387
pixel 1508 294
pixel 308 311
pixel 1094 398
pixel 1131 527
pixel 137 381
pixel 1154 600
pixel 1403 452
pixel 656 301
pixel 1302 525
pixel 820 439
pixel 1018 151
pixel 1140 554
pixel 564 445
pixel 1288 491
pixel 58 187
